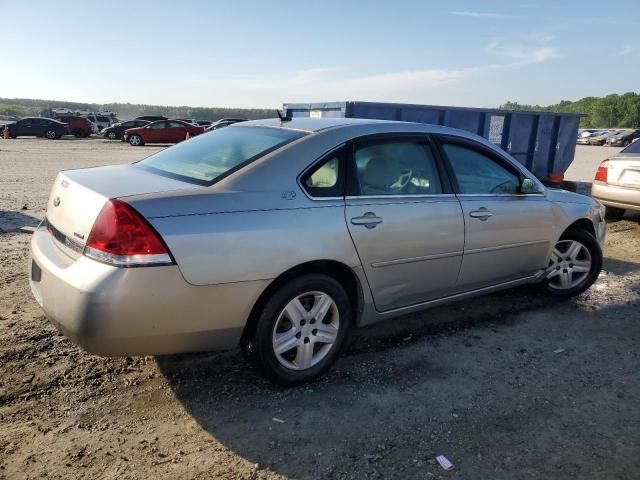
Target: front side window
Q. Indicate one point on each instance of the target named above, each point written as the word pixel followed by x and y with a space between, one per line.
pixel 402 167
pixel 478 173
pixel 325 179
pixel 208 157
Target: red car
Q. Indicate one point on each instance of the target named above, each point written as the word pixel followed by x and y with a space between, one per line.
pixel 78 126
pixel 162 131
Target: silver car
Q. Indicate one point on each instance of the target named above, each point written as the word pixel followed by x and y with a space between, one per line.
pixel 283 236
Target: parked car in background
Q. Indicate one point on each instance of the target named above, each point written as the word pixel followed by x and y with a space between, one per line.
pixel 101 121
pixel 151 118
pixel 617 181
pixel 62 111
pixel 80 127
pixel 116 131
pixel 624 138
pixel 601 139
pixel 281 237
pixel 162 131
pixel 584 137
pixel 224 122
pixel 38 127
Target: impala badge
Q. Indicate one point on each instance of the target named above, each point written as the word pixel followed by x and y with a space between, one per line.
pixel 56 201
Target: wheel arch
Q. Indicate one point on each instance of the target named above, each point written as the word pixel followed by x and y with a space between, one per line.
pixel 334 269
pixel 582 224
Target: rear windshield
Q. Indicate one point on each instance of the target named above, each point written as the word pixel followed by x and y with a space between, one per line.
pixel 632 147
pixel 213 155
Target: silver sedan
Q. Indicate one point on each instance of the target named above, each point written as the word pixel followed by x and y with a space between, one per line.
pixel 283 236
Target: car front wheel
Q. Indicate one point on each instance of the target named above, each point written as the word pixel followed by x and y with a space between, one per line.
pixel 50 134
pixel 112 135
pixel 575 264
pixel 135 140
pixel 301 329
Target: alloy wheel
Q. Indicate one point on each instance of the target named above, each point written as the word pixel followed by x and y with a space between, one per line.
pixel 134 140
pixel 569 266
pixel 306 330
pixel 50 134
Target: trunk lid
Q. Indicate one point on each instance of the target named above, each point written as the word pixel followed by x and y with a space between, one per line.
pixel 624 171
pixel 78 196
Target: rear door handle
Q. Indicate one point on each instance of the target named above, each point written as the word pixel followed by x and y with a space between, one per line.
pixel 369 220
pixel 482 213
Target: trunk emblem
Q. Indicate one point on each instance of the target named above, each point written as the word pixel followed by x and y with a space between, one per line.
pixel 56 201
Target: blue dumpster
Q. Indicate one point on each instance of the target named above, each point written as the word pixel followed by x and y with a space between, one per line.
pixel 544 142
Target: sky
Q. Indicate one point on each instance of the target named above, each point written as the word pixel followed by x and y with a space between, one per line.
pixel 250 53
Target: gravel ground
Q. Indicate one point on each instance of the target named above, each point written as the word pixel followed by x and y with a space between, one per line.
pixel 513 385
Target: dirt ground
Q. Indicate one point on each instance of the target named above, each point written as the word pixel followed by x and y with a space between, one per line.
pixel 509 386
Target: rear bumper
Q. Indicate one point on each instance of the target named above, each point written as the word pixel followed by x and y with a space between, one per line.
pixel 616 196
pixel 136 311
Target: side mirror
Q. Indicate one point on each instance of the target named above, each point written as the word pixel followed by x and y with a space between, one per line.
pixel 528 186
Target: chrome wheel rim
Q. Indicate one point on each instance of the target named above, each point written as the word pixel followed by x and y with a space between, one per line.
pixel 569 266
pixel 134 140
pixel 306 330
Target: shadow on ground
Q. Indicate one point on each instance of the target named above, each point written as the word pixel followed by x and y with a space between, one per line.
pixel 12 220
pixel 487 380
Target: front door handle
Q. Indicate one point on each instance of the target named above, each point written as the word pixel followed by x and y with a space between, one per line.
pixel 482 213
pixel 369 220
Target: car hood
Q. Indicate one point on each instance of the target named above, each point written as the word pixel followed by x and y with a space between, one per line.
pixel 564 196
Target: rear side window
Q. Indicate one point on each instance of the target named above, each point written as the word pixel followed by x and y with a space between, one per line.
pixel 633 147
pixel 478 173
pixel 326 178
pixel 158 125
pixel 397 167
pixel 213 155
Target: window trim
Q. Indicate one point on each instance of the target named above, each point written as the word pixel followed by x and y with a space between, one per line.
pixel 321 159
pixel 352 185
pixel 511 166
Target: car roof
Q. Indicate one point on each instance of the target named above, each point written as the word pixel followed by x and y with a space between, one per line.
pixel 318 124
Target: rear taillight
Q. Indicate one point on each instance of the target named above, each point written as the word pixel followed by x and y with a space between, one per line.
pixel 601 173
pixel 120 236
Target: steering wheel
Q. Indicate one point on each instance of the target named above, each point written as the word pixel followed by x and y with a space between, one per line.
pixel 404 179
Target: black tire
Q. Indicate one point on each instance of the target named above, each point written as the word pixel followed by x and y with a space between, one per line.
pixel 595 252
pixel 112 135
pixel 614 213
pixel 50 135
pixel 79 133
pixel 260 349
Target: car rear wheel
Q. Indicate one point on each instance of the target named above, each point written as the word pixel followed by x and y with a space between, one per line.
pixel 575 264
pixel 135 140
pixel 112 135
pixel 301 329
pixel 613 213
pixel 50 134
pixel 78 133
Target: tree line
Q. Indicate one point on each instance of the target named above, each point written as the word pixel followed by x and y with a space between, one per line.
pixel 26 107
pixel 612 111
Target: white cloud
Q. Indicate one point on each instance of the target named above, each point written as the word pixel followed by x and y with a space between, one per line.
pixel 523 54
pixel 500 16
pixel 626 50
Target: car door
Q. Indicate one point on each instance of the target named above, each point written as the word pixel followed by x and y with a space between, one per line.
pixel 25 128
pixel 155 132
pixel 404 220
pixel 176 132
pixel 507 233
